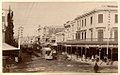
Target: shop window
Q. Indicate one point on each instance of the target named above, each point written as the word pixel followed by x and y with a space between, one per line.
pixel 82 23
pixel 85 35
pixel 91 20
pixel 3 18
pixel 78 35
pixel 116 18
pixel 85 22
pixel 100 35
pixel 82 35
pixel 100 18
pixel 91 35
pixel 116 35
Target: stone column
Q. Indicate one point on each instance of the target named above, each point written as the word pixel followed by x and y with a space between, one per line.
pixel 85 53
pixel 77 54
pixel 71 52
pixel 111 53
pixel 65 48
pixel 100 53
pixel 81 53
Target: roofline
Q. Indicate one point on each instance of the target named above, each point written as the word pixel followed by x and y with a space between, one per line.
pixel 95 10
pixel 5 9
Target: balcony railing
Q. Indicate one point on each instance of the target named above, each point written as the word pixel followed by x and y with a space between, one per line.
pixel 96 39
pixel 89 41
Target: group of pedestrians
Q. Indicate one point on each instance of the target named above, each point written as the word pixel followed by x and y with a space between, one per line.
pixel 33 48
pixel 36 47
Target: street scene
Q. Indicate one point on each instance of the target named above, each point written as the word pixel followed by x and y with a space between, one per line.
pixel 43 37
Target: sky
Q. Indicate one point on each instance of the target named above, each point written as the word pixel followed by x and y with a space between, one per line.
pixel 32 14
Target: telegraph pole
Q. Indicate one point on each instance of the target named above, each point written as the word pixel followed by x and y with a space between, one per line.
pixel 108 39
pixel 39 33
pixel 20 35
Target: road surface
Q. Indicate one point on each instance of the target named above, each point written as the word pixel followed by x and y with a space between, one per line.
pixel 32 63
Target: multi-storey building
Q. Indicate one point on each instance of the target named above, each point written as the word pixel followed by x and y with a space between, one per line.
pixel 98 25
pixel 4 23
pixel 43 34
pixel 94 33
pixel 52 38
pixel 60 37
pixel 70 30
pixel 8 50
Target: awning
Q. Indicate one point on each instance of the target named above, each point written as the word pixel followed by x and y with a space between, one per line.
pixel 6 46
pixel 78 43
pixel 75 42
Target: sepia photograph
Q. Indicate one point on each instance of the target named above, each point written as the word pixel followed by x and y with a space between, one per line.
pixel 59 37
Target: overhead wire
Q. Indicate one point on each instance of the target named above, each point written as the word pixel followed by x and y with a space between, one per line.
pixel 25 14
pixel 29 13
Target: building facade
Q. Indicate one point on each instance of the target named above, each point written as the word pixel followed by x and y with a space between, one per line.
pixel 4 23
pixel 60 37
pixel 98 25
pixel 7 49
pixel 43 34
pixel 93 33
pixel 70 30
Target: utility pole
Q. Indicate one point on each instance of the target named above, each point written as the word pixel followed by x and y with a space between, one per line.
pixel 20 35
pixel 108 39
pixel 39 32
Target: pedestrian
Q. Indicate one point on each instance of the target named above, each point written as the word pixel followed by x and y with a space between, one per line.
pixel 105 58
pixel 77 54
pixel 54 54
pixel 83 57
pixel 96 57
pixel 96 67
pixel 65 56
pixel 92 58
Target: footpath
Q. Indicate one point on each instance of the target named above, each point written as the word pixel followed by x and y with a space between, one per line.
pixel 89 61
pixel 103 66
